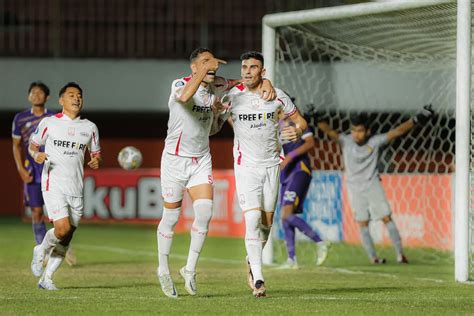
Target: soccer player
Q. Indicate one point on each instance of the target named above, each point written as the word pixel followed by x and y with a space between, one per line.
pixel 24 124
pixel 186 162
pixel 361 152
pixel 257 157
pixel 295 180
pixel 65 137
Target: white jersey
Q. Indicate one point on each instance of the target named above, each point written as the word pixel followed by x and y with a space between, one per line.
pixel 189 124
pixel 256 141
pixel 65 142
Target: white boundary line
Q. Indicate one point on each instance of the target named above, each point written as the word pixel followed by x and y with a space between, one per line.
pixel 126 251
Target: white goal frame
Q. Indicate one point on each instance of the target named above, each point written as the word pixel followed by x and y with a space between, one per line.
pixel 463 97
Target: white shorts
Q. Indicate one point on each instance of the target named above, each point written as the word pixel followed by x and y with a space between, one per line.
pixel 59 206
pixel 257 187
pixel 370 204
pixel 179 173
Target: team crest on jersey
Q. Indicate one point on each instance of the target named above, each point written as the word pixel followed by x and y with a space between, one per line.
pixel 71 131
pixel 242 199
pixel 168 192
pixel 179 84
pixel 255 104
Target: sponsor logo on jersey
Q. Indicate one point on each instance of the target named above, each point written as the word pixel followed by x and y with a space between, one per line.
pixel 201 109
pixel 257 116
pixel 69 144
pixel 71 131
pixel 84 134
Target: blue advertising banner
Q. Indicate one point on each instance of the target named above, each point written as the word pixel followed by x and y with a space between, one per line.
pixel 322 207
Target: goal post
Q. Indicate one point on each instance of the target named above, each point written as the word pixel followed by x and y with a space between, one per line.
pixel 330 58
pixel 463 135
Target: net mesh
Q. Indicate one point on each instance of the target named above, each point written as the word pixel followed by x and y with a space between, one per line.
pixel 387 65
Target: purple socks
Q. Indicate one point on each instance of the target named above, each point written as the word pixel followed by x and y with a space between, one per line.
pixel 290 239
pixel 39 230
pixel 297 222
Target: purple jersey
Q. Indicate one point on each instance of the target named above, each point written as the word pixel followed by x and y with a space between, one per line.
pixel 24 124
pixel 299 163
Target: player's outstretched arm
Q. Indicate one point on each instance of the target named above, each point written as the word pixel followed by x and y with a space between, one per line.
pixel 266 91
pixel 421 117
pixel 200 71
pixel 221 112
pixel 332 134
pixel 400 130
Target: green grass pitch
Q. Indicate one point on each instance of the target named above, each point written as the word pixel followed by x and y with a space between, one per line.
pixel 116 267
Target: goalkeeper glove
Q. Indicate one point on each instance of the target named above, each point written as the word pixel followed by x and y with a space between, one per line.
pixel 424 115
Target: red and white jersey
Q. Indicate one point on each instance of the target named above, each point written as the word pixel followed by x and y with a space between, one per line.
pixel 256 141
pixel 65 142
pixel 189 124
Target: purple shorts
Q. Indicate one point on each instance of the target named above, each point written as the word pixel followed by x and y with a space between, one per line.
pixel 33 195
pixel 294 189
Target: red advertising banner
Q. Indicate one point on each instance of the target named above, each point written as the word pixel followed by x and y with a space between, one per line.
pixel 114 195
pixel 421 206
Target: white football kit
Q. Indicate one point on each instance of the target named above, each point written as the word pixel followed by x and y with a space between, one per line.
pixel 256 146
pixel 186 159
pixel 62 180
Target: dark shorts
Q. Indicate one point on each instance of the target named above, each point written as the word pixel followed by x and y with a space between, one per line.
pixel 33 195
pixel 294 189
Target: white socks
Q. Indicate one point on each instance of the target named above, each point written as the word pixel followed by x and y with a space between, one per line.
pixel 165 237
pixel 55 260
pixel 202 217
pixel 49 241
pixel 253 244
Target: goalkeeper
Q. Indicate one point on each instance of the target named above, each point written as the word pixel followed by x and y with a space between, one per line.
pixel 361 152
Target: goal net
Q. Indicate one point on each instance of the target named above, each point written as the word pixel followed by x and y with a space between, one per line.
pixel 388 65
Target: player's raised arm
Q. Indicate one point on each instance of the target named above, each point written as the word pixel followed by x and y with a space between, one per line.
pixel 201 68
pixel 422 117
pixel 332 134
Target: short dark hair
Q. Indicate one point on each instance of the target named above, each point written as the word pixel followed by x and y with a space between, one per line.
pixel 69 85
pixel 198 51
pixel 252 54
pixel 360 119
pixel 40 85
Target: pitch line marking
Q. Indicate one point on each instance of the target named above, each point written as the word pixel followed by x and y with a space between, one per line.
pixel 126 251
